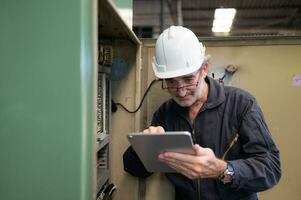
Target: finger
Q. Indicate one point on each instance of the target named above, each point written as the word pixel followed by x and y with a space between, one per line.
pixel 179 157
pixel 197 149
pixel 184 164
pixel 150 129
pixel 154 129
pixel 175 165
pixel 160 129
pixel 192 171
pixel 200 151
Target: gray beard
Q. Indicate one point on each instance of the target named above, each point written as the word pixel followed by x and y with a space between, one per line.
pixel 198 91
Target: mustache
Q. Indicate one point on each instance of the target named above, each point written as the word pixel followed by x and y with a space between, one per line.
pixel 188 93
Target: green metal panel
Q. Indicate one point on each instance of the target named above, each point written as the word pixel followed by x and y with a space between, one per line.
pixel 46 99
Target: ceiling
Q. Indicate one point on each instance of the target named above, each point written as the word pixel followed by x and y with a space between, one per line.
pixel 253 17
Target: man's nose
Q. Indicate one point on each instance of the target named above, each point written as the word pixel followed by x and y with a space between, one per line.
pixel 181 90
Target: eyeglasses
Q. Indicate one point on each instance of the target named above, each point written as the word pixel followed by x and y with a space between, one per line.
pixel 176 88
pixel 189 82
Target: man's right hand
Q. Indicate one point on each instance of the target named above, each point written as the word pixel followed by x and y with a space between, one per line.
pixel 154 129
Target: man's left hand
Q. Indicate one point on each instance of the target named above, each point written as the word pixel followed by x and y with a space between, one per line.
pixel 203 164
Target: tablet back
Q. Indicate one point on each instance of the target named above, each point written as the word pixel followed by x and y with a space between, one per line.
pixel 149 145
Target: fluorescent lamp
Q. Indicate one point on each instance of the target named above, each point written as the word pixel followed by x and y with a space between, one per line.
pixel 222 22
pixel 217 29
pixel 223 19
pixel 224 13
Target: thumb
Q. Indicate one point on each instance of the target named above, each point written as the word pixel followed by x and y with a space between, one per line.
pixel 197 149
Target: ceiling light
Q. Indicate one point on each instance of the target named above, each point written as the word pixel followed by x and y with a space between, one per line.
pixel 224 13
pixel 217 29
pixel 222 22
pixel 223 19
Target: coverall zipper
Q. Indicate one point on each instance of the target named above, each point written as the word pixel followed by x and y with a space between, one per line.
pixel 198 185
pixel 198 189
pixel 230 146
pixel 198 181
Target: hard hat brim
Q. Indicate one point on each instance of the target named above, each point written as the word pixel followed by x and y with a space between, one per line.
pixel 176 73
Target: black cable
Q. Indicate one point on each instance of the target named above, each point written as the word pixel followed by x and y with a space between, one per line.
pixel 147 90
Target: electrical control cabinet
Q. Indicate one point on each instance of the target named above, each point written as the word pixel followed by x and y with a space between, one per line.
pixel 58 134
pixel 118 51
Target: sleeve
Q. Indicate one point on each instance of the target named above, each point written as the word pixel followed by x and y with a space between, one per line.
pixel 131 162
pixel 133 165
pixel 157 121
pixel 260 168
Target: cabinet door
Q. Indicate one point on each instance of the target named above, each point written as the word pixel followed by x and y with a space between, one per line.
pixel 47 99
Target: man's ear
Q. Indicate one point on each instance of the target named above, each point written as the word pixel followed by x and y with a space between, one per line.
pixel 205 68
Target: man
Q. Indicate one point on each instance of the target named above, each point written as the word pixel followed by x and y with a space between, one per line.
pixel 235 156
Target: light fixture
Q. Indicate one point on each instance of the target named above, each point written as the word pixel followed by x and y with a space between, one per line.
pixel 216 29
pixel 223 19
pixel 222 23
pixel 224 13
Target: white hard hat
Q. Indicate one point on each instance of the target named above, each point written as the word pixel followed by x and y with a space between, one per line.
pixel 178 52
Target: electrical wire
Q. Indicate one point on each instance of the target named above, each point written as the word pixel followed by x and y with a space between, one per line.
pixel 147 90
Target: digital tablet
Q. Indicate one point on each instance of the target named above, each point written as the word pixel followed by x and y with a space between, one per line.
pixel 149 145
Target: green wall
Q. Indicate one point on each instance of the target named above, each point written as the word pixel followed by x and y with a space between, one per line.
pixel 46 99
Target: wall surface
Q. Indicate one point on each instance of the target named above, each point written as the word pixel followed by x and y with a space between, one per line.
pixel 123 91
pixel 266 71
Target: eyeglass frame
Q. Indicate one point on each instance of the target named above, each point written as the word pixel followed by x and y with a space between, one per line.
pixel 176 89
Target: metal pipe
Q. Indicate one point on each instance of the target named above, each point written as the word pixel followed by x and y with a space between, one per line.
pixel 179 13
pixel 161 15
